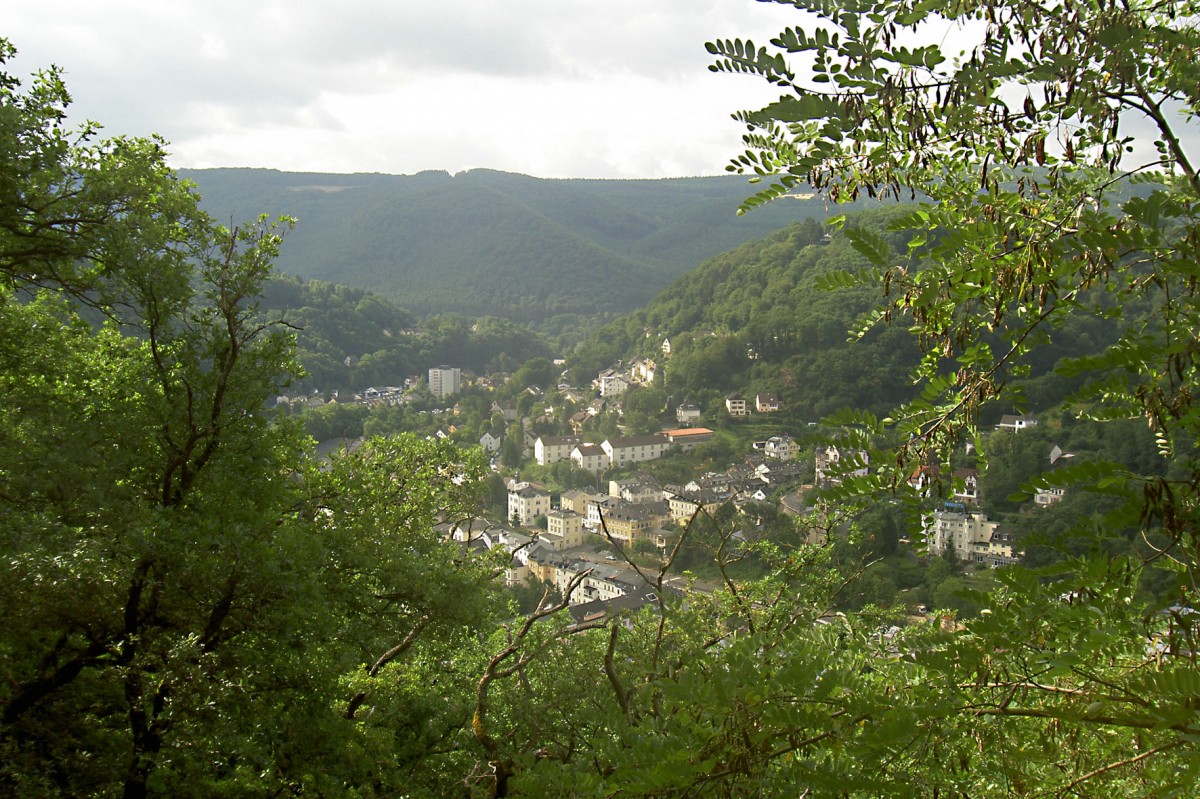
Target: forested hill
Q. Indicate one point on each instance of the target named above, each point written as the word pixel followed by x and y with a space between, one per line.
pixel 754 320
pixel 493 243
pixel 349 338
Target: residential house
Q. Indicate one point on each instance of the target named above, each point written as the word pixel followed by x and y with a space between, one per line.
pixel 966 486
pixel 687 504
pixel 778 473
pixel 687 413
pixel 642 371
pixel 552 449
pixel 782 448
pixel 624 451
pixel 578 420
pixel 766 403
pixel 629 522
pixel 492 440
pixel 564 528
pixel 1016 423
pixel 507 411
pixel 496 537
pixel 970 536
pixel 597 507
pixel 590 457
pixel 735 404
pixel 1045 497
pixel 635 489
pixel 612 383
pixel 831 465
pixel 576 500
pixel 666 346
pixel 526 504
pixel 923 478
pixel 598 609
pixel 604 584
pixel 574 395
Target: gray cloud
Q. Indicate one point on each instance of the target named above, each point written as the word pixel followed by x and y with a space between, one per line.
pixel 526 85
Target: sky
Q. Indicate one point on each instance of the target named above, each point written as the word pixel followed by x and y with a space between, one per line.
pixel 549 88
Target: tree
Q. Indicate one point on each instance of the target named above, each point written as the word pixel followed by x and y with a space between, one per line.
pixel 512 449
pixel 196 596
pixel 1034 205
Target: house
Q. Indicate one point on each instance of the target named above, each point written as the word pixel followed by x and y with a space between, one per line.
pixel 923 478
pixel 507 412
pixel 687 413
pixel 492 440
pixel 966 486
pixel 635 489
pixel 777 473
pixel 597 407
pixel 604 584
pixel 623 451
pixel 552 449
pixel 735 404
pixel 578 420
pixel 590 457
pixel 782 448
pixel 629 522
pixel 666 346
pixel 642 371
pixel 687 439
pixel 629 603
pixel 612 383
pixel 831 465
pixel 766 403
pixel 1016 423
pixel 564 529
pixel 576 500
pixel 597 507
pixel 685 505
pixel 1045 497
pixel 970 536
pixel 526 504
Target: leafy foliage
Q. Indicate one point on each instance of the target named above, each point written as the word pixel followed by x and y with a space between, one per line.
pixel 195 595
pixel 1029 219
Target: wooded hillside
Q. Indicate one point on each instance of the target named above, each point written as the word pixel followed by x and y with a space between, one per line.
pixel 498 244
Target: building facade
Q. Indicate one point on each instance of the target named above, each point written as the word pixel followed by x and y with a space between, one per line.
pixel 444 381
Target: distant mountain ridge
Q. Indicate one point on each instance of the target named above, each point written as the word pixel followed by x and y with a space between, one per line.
pixel 493 243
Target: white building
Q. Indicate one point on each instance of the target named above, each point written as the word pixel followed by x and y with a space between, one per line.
pixel 552 449
pixel 444 381
pixel 590 457
pixel 526 504
pixel 829 467
pixel 687 413
pixel 613 385
pixel 622 451
pixel 780 447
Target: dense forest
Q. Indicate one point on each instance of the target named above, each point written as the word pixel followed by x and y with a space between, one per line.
pixel 348 339
pixel 201 607
pixel 551 253
pixel 766 317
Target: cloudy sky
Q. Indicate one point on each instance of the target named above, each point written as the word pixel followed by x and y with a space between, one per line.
pixel 551 88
